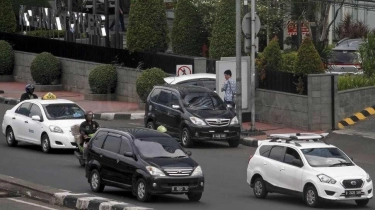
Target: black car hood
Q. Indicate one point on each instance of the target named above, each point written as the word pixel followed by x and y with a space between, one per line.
pixel 172 162
pixel 204 114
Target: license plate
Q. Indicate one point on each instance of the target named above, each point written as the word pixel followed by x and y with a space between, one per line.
pixel 219 136
pixel 353 193
pixel 180 189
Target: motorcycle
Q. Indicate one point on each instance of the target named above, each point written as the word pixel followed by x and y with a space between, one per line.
pixel 80 143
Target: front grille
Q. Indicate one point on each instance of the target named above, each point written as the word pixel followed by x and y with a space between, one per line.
pixel 190 184
pixel 178 171
pixel 218 122
pixel 352 183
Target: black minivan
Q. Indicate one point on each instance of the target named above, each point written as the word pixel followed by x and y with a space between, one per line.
pixel 144 161
pixel 191 113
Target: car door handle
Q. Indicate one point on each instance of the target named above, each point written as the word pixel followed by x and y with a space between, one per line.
pixel 282 169
pixel 13 118
pixel 265 164
pixel 100 155
pixel 26 122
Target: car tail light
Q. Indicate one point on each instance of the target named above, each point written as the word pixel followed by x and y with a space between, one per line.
pixel 250 157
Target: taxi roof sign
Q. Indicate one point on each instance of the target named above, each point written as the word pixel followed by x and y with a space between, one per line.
pixel 49 96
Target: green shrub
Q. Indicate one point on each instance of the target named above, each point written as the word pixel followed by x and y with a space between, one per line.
pixel 289 61
pixel 223 41
pixel 355 81
pixel 309 61
pixel 148 30
pixel 46 33
pixel 367 52
pixel 147 80
pixel 7 18
pixel 103 79
pixel 6 58
pixel 272 56
pixel 187 32
pixel 45 68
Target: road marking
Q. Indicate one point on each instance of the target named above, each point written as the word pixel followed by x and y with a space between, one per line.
pixel 32 204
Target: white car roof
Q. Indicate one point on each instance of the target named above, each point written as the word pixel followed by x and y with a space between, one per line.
pixel 298 140
pixel 304 145
pixel 175 80
pixel 54 101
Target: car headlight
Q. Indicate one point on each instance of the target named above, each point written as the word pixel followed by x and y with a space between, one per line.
pixel 197 172
pixel 197 121
pixel 55 129
pixel 326 179
pixel 234 121
pixel 154 171
pixel 368 178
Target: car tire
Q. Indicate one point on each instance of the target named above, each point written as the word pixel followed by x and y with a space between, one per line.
pixel 46 144
pixel 362 203
pixel 142 192
pixel 234 143
pixel 194 196
pixel 311 197
pixel 150 125
pixel 259 189
pixel 96 181
pixel 186 139
pixel 11 140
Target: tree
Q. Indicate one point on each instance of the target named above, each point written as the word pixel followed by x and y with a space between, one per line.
pixel 272 56
pixel 7 17
pixel 309 61
pixel 367 52
pixel 223 42
pixel 187 33
pixel 148 30
pixel 351 29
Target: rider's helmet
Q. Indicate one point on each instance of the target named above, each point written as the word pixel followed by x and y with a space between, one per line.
pixel 29 88
pixel 89 115
pixel 162 129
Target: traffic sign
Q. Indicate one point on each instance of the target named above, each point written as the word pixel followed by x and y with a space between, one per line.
pixel 246 24
pixel 184 70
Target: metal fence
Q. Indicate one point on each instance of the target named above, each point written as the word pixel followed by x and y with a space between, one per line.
pixel 284 82
pixel 99 54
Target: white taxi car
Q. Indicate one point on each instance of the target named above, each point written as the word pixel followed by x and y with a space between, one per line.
pixel 303 164
pixel 43 122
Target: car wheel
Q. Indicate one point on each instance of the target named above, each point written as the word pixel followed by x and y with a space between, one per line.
pixel 142 191
pixel 259 189
pixel 11 141
pixel 150 125
pixel 363 202
pixel 194 196
pixel 46 146
pixel 234 143
pixel 311 197
pixel 96 181
pixel 185 138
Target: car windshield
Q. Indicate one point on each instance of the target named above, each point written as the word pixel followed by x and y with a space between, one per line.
pixel 326 157
pixel 345 57
pixel 63 111
pixel 202 101
pixel 159 148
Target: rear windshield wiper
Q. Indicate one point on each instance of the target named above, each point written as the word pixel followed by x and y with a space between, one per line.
pixel 338 164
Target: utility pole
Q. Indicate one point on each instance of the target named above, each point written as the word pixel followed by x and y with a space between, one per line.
pixel 253 51
pixel 106 8
pixel 238 63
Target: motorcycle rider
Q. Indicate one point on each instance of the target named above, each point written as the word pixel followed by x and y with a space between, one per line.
pixel 87 127
pixel 29 93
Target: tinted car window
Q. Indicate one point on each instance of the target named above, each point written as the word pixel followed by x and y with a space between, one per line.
pixel 125 146
pixel 277 153
pixel 265 150
pixel 159 148
pixel 210 84
pixel 174 100
pixel 24 109
pixel 154 95
pixel 35 110
pixel 63 111
pixel 163 98
pixel 345 57
pixel 325 157
pixel 99 139
pixel 204 100
pixel 191 82
pixel 112 144
pixel 291 155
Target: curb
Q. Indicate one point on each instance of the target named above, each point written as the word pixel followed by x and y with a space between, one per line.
pixel 79 201
pixel 362 115
pixel 249 141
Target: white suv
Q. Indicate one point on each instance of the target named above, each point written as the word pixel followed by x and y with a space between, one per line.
pixel 303 164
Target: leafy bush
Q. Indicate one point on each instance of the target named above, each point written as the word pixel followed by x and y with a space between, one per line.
pixel 367 52
pixel 45 68
pixel 6 58
pixel 272 56
pixel 187 33
pixel 355 81
pixel 148 30
pixel 288 61
pixel 147 80
pixel 103 79
pixel 223 41
pixel 46 33
pixel 7 18
pixel 309 61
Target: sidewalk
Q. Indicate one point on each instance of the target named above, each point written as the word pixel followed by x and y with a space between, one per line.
pixel 106 109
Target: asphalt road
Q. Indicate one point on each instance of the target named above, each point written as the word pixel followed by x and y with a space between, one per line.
pixel 18 203
pixel 224 169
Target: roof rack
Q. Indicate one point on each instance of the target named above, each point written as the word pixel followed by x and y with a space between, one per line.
pixel 288 137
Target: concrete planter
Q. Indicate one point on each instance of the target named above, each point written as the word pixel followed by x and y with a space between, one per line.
pixel 48 88
pixel 100 97
pixel 6 78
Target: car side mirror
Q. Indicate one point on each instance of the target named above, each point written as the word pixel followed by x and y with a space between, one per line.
pixel 128 154
pixel 36 118
pixel 297 163
pixel 176 107
pixel 189 153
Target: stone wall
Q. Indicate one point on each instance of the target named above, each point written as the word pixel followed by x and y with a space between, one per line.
pixel 355 100
pixel 75 76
